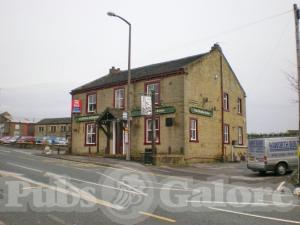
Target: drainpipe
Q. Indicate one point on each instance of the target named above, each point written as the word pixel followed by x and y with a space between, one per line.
pixel 71 133
pixel 222 107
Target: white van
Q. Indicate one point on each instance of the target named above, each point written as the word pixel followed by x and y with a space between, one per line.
pixel 273 154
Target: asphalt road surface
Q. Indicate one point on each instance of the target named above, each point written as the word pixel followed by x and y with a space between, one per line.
pixel 39 190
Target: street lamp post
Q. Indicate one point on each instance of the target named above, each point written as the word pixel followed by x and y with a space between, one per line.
pixel 128 83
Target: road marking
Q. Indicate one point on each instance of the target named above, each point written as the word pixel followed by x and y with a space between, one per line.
pixel 5 151
pixel 96 184
pixel 244 178
pixel 157 217
pixel 122 183
pixel 23 152
pixel 165 171
pixel 86 195
pixel 243 203
pixel 32 187
pixel 128 168
pixel 92 199
pixel 57 219
pixel 25 167
pixel 256 216
pixel 85 165
pixel 280 186
pixel 172 189
pixel 278 203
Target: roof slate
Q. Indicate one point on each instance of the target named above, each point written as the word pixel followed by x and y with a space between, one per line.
pixel 139 73
pixel 47 121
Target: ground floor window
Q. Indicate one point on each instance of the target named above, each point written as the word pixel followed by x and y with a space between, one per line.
pixel 240 135
pixel 41 129
pixel 193 130
pixel 148 131
pixel 90 134
pixel 226 134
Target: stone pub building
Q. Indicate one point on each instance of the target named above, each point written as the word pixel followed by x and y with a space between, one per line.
pixel 200 111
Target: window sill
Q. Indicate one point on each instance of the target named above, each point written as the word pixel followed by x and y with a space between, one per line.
pixel 122 108
pixel 88 145
pixel 91 112
pixel 149 143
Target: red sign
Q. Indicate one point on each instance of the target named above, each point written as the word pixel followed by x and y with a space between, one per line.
pixel 76 106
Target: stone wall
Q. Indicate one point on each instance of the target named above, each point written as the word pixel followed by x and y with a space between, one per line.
pixel 203 90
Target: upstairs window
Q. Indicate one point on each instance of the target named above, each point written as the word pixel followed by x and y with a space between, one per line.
pixel 226 102
pixel 226 134
pixel 156 87
pixel 41 129
pixel 119 98
pixel 91 103
pixel 148 131
pixel 193 130
pixel 239 106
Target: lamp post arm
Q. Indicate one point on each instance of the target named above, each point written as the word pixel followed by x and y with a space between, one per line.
pixel 120 17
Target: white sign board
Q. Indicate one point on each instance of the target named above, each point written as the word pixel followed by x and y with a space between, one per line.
pixel 146 108
pixel 126 136
pixel 125 115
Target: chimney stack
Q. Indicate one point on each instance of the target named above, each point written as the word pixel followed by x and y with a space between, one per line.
pixel 216 46
pixel 114 70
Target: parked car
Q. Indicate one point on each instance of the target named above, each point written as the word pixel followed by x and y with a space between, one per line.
pixel 273 154
pixel 39 140
pixel 4 138
pixel 26 140
pixel 11 140
pixel 60 141
pixel 50 140
pixel 45 140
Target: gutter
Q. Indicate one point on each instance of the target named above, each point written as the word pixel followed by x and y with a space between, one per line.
pixel 148 77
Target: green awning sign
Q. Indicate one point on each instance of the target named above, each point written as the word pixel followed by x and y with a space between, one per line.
pixel 158 111
pixel 202 112
pixel 86 118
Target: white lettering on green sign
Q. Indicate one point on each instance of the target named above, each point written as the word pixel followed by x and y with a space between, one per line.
pixel 162 110
pixel 202 112
pixel 86 118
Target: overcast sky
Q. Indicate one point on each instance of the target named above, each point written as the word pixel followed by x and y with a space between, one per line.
pixel 48 47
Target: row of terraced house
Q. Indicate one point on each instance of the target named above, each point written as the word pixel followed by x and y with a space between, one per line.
pixel 58 127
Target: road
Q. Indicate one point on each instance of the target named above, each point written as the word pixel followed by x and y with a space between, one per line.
pixel 40 190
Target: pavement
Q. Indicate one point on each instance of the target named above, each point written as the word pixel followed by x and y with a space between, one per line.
pixel 47 190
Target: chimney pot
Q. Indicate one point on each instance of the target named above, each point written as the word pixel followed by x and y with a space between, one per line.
pixel 114 70
pixel 216 46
